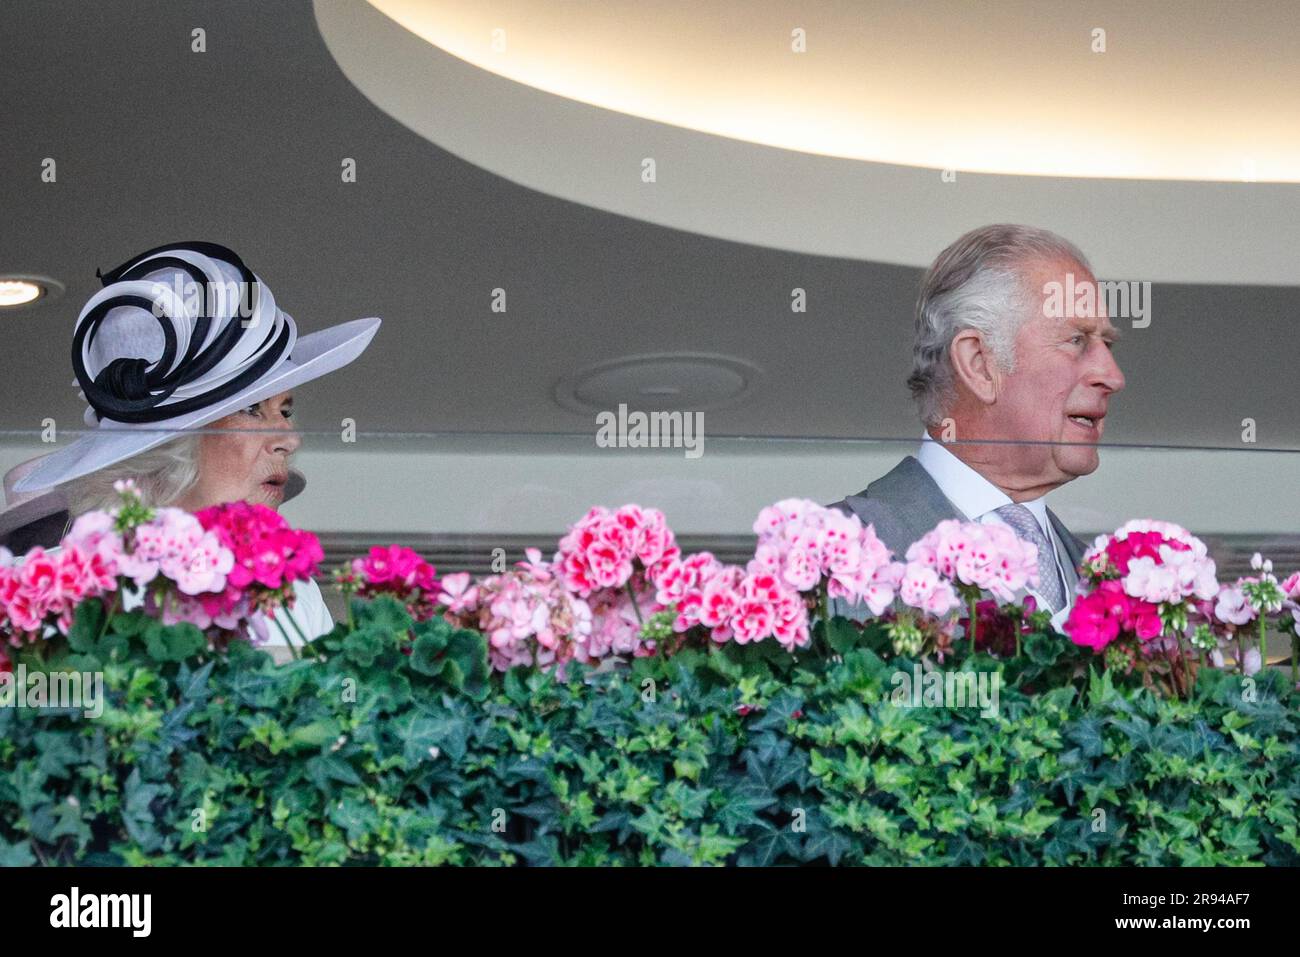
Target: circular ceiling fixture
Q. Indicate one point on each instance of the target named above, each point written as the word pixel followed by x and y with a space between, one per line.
pixel 17 291
pixel 669 381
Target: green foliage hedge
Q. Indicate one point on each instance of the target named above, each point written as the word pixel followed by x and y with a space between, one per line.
pixel 393 751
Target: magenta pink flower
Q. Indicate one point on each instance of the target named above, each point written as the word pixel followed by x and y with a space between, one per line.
pixel 267 558
pixel 752 620
pixel 40 577
pixel 1130 575
pixel 401 572
pixel 720 598
pixel 1092 622
pixel 41 591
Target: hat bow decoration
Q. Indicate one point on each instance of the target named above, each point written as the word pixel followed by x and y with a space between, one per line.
pixel 174 330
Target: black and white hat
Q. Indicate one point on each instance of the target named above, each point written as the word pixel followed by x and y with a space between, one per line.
pixel 179 337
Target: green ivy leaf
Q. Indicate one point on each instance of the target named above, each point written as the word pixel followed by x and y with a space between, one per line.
pixel 173 642
pixel 827 843
pixel 842 634
pixel 193 685
pixel 314 734
pixel 87 623
pixel 17 854
pixel 771 844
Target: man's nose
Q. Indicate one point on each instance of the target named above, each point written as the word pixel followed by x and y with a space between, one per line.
pixel 1106 372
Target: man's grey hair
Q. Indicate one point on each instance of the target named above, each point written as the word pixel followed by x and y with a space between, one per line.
pixel 163 475
pixel 977 283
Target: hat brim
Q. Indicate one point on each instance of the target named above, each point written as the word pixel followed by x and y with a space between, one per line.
pixel 32 510
pixel 314 355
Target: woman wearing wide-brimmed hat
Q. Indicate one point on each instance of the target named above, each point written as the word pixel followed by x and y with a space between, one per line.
pixel 184 338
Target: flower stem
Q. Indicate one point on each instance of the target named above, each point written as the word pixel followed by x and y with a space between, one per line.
pixel 1263 640
pixel 635 607
pixel 1177 685
pixel 974 623
pixel 112 610
pixel 280 628
pixel 347 604
pixel 307 645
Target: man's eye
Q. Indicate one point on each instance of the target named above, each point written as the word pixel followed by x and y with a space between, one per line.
pixel 253 409
pixel 287 413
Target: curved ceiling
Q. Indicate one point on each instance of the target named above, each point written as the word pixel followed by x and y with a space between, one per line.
pixel 422 237
pixel 930 84
pixel 1179 142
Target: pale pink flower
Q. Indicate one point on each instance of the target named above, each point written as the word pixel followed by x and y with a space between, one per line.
pixel 803 543
pixel 527 614
pixel 922 587
pixel 1232 606
pixel 204 569
pixel 458 593
pixel 991 557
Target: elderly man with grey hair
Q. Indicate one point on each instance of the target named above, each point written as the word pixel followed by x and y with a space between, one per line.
pixel 1013 396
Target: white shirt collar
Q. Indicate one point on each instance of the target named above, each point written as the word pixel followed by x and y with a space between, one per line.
pixel 973 494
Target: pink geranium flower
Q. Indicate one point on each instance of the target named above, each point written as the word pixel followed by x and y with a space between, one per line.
pixel 268 557
pixel 1129 577
pixel 804 544
pixel 401 572
pixel 527 614
pixel 605 548
pixel 458 592
pixel 923 588
pixel 990 558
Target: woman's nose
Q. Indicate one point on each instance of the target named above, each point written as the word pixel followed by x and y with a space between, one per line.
pixel 286 441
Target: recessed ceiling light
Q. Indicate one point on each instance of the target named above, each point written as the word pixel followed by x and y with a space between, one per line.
pixel 18 291
pixel 663 381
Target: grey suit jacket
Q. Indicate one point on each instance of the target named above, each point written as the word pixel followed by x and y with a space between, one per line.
pixel 906 503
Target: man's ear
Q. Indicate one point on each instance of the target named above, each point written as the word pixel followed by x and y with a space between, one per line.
pixel 973 365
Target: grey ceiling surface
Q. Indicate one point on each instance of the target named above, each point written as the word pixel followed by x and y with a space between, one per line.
pixel 242 145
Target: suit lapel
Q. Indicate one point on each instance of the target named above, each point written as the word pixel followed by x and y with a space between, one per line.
pixel 1074 547
pixel 905 503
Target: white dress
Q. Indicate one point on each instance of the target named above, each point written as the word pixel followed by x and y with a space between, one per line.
pixel 309 612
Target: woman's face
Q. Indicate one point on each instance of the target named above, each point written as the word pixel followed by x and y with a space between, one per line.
pixel 250 462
